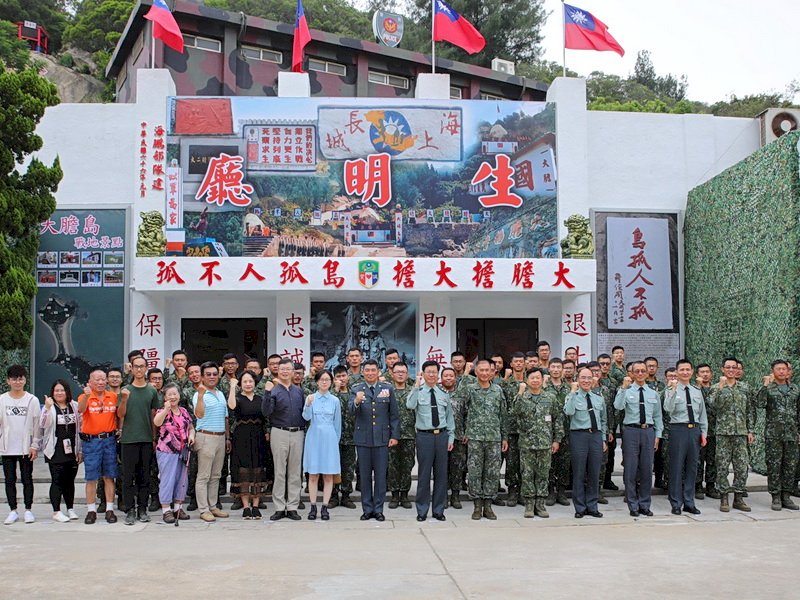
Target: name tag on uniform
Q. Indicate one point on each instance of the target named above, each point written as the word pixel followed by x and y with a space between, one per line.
pixel 383 394
pixel 548 418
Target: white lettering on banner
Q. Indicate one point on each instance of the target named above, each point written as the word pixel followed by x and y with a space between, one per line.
pixel 385 274
pixel 639 274
pixel 403 133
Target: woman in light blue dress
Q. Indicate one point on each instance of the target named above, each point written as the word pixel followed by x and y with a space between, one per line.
pixel 321 452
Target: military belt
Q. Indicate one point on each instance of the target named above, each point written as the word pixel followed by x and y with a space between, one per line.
pixel 433 431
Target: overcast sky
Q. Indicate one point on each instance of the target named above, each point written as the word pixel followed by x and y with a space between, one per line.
pixel 723 46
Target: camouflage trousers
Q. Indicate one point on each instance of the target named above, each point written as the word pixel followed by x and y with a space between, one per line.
pixel 661 461
pixel 535 470
pixel 457 466
pixel 401 463
pixel 560 467
pixel 732 449
pixel 347 462
pixel 513 463
pixel 708 462
pixel 483 468
pixel 781 459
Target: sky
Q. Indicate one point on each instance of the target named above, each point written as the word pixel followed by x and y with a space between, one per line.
pixel 724 47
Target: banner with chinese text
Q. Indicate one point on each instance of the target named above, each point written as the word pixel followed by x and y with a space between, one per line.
pixel 80 303
pixel 349 177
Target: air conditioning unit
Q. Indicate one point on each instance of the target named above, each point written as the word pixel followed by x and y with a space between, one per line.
pixel 775 122
pixel 503 66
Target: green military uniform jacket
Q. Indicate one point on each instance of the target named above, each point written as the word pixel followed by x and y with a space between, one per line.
pixel 408 417
pixel 486 413
pixel 348 420
pixel 538 419
pixel 734 409
pixel 783 411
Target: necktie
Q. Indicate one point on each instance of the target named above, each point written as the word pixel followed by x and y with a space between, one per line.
pixel 689 408
pixel 642 416
pixel 434 410
pixel 590 408
pixel 372 390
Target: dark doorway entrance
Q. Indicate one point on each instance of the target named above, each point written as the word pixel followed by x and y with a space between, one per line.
pixel 210 339
pixel 481 337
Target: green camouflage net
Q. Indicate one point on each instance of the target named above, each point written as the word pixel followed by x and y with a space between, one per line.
pixel 742 267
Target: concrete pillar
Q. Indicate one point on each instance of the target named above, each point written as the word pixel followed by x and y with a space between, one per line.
pixel 576 325
pixel 435 324
pixel 291 330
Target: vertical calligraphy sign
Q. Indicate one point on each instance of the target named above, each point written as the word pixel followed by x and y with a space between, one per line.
pixel 434 326
pixel 292 329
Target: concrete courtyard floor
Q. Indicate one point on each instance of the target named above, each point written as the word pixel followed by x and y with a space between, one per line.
pixel 713 555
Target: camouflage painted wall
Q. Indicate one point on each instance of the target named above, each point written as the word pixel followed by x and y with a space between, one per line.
pixel 742 257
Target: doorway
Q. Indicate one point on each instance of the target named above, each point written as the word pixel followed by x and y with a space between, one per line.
pixel 482 337
pixel 210 339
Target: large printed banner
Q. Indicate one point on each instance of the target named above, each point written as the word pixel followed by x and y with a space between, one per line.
pixel 80 304
pixel 368 177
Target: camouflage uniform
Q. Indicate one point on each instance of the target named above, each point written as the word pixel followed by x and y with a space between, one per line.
pixel 353 379
pixel 607 469
pixel 347 451
pixel 661 456
pixel 539 424
pixel 485 430
pixel 387 376
pixel 735 418
pixel 604 391
pixel 457 463
pixel 402 456
pixel 309 385
pixel 510 388
pixel 782 404
pixel 224 386
pixel 561 464
pixel 708 454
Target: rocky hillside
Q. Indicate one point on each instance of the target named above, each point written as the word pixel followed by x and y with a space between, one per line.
pixel 72 85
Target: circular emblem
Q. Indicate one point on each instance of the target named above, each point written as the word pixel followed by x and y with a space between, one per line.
pixel 391 133
pixel 390 25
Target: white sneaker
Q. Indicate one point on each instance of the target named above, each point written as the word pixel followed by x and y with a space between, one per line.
pixel 73 516
pixel 29 518
pixel 60 517
pixel 12 517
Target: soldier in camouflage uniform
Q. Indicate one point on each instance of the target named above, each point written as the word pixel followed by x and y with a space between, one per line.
pixel 670 374
pixel 457 459
pixel 660 457
pixel 155 377
pixel 707 464
pixel 486 439
pixel 230 370
pixel 402 456
pixel 188 389
pixel 561 465
pixel 308 384
pixel 354 376
pixel 781 400
pixel 735 422
pixel 601 389
pixel 347 451
pixel 537 413
pixel 605 380
pixel 392 357
pixel 510 388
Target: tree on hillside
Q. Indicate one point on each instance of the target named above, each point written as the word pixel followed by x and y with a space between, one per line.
pixel 750 105
pixel 98 24
pixel 51 14
pixel 13 52
pixel 25 199
pixel 669 85
pixel 333 16
pixel 512 28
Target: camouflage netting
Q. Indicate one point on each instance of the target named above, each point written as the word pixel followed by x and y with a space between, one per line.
pixel 13 357
pixel 742 264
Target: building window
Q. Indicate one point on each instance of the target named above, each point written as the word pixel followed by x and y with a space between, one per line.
pixel 201 43
pixel 391 80
pixel 251 52
pixel 455 93
pixel 326 66
pixel 485 96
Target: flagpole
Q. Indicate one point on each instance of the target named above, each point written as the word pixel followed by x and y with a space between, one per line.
pixel 152 45
pixel 564 39
pixel 433 40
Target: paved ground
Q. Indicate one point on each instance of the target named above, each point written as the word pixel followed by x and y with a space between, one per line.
pixel 715 555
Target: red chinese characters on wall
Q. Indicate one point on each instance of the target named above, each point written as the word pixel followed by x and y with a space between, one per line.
pixel 370 178
pixel 404 273
pixel 224 182
pixel 332 277
pixel 143 152
pixel 168 273
pixel 575 324
pixel 148 325
pixel 523 275
pixel 294 328
pixel 639 264
pixel 502 180
pixel 433 322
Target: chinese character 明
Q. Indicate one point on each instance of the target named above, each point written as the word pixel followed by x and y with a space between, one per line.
pixel 522 275
pixel 209 274
pixel 331 274
pixel 167 273
pixel 251 270
pixel 561 276
pixel 223 181
pixel 502 181
pixel 369 178
pixel 442 273
pixel 148 325
pixel 575 324
pixel 432 321
pixel 291 273
pixel 484 271
pixel 293 327
pixel 404 273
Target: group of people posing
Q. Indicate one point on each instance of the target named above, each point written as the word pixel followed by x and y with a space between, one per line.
pixel 177 434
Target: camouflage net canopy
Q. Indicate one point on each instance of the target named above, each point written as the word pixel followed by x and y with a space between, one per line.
pixel 742 265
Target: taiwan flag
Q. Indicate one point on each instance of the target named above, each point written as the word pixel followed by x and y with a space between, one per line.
pixel 449 26
pixel 583 31
pixel 165 27
pixel 301 37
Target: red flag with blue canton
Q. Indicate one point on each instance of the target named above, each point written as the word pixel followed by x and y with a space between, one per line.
pixel 449 26
pixel 301 37
pixel 583 31
pixel 165 27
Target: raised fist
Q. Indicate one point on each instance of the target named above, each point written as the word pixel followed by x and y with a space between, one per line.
pixel 48 402
pixel 626 383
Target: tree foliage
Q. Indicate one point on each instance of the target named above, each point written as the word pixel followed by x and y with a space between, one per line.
pixel 26 199
pixel 14 53
pixel 51 14
pixel 98 24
